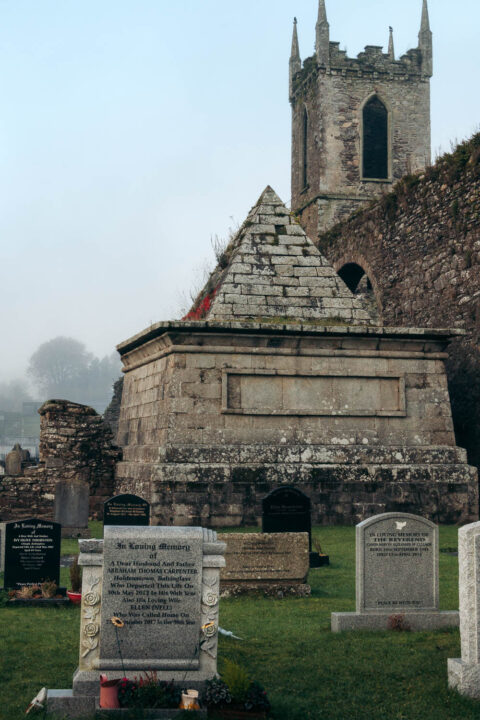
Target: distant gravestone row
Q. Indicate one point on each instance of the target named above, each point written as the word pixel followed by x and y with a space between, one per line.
pixel 161 586
pixel 30 548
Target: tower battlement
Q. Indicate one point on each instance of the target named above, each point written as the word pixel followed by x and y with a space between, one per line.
pixel 358 124
pixel 372 60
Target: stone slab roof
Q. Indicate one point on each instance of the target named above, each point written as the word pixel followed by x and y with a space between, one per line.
pixel 273 271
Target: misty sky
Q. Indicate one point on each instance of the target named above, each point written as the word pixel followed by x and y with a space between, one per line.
pixel 131 131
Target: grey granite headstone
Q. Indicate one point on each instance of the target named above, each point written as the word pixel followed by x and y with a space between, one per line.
pixel 163 585
pixel 464 672
pixel 152 581
pixel 396 575
pixel 72 499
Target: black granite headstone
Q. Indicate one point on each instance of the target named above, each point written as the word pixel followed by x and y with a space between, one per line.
pixel 287 509
pixel 126 510
pixel 32 552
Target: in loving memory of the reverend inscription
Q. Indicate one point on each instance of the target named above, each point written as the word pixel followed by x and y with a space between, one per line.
pixel 398 563
pixel 152 578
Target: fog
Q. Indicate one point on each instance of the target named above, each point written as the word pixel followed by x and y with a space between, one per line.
pixel 133 131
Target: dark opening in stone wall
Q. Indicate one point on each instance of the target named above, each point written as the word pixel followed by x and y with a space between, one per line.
pixel 375 140
pixel 305 149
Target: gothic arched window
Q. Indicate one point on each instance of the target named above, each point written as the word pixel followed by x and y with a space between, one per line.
pixel 305 149
pixel 375 140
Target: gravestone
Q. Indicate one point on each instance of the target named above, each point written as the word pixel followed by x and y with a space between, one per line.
pixel 32 552
pixel 72 498
pixel 16 459
pixel 275 564
pixel 163 585
pixel 464 672
pixel 287 509
pixel 2 546
pixel 126 510
pixel 396 576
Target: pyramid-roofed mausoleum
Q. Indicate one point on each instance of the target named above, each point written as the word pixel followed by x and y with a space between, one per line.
pixel 273 270
pixel 278 376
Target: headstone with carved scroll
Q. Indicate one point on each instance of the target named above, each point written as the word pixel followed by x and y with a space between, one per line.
pixel 150 601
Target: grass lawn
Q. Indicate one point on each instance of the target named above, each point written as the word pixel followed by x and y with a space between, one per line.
pixel 287 645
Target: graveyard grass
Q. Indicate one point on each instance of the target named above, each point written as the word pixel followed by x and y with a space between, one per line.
pixel 287 646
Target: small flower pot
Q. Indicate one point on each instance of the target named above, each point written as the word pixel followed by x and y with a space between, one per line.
pixel 74 597
pixel 109 694
pixel 190 700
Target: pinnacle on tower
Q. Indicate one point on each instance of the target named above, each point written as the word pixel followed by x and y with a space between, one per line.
pixel 425 42
pixel 295 60
pixel 322 35
pixel 391 47
pixel 425 26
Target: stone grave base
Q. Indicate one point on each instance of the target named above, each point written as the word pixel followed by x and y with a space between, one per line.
pixel 274 590
pixel 83 700
pixel 433 620
pixel 153 714
pixel 87 683
pixel 464 677
pixel 64 703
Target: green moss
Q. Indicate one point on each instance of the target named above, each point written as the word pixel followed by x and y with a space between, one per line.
pixel 390 206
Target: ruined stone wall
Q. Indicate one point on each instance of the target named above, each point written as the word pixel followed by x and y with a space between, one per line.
pixel 420 247
pixel 112 413
pixel 75 443
pixel 334 98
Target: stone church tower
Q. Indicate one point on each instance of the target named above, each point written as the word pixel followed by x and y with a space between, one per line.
pixel 358 125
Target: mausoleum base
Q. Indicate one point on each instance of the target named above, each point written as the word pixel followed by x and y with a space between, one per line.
pixel 464 677
pixel 382 621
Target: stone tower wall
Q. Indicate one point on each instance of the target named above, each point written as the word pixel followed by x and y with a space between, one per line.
pixel 420 247
pixel 333 93
pixel 334 106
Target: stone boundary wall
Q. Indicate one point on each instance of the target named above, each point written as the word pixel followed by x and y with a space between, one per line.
pixel 420 247
pixel 75 443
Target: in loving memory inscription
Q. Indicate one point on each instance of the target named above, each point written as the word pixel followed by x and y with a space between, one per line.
pixel 152 583
pixel 398 564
